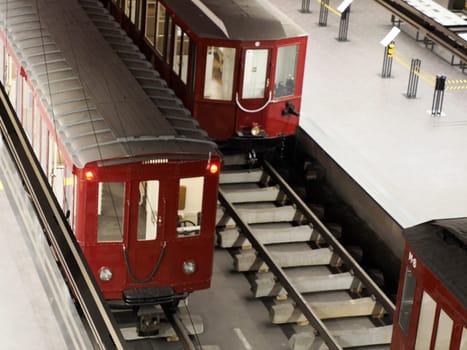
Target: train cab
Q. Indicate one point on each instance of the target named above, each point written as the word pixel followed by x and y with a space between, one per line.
pixel 431 310
pixel 238 66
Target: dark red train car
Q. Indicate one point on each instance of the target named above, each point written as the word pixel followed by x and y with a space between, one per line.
pixel 140 191
pixel 237 65
pixel 431 312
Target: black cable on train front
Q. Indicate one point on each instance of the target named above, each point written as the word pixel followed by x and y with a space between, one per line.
pixel 152 273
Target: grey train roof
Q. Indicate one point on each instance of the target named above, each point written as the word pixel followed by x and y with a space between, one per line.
pixel 93 98
pixel 442 246
pixel 235 19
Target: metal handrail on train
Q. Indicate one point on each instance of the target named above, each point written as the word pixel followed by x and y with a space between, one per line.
pixel 297 297
pixel 381 297
pixel 102 325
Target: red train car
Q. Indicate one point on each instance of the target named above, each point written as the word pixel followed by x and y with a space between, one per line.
pixel 237 65
pixel 431 311
pixel 140 192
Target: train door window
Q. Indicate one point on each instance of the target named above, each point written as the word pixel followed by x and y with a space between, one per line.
pixel 148 210
pixel 255 77
pixel 190 201
pixel 286 70
pixel 194 55
pixel 150 21
pixel 168 44
pixel 218 78
pixel 425 322
pixel 11 79
pixel 110 211
pixel 443 335
pixel 408 293
pixel 161 29
pixel 185 58
pixel 130 10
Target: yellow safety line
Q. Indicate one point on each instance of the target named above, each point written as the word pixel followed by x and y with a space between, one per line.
pixel 333 10
pixel 456 81
pixel 456 87
pixel 1 186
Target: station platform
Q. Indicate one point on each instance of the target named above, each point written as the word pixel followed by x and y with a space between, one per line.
pixel 37 308
pixel 411 163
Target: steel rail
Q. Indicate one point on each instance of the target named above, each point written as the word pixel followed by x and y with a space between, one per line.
pixel 297 297
pixel 429 27
pixel 102 326
pixel 332 241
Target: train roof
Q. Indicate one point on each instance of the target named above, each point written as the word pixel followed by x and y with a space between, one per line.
pixel 235 19
pixel 442 246
pixel 97 106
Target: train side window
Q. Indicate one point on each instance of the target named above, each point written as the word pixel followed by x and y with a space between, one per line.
pixel 464 340
pixel 148 210
pixel 177 50
pixel 408 293
pixel 150 21
pixel 443 335
pixel 11 80
pixel 161 29
pixel 110 211
pixel 255 73
pixel 218 78
pixel 425 322
pixel 28 101
pixel 286 71
pixel 44 141
pixel 190 202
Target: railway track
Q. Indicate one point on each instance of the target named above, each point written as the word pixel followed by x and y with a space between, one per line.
pixel 296 265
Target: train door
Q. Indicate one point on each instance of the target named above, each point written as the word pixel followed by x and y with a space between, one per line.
pixel 146 241
pixel 254 93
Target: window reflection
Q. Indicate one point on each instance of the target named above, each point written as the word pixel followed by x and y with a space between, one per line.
pixel 148 210
pixel 407 301
pixel 110 212
pixel 218 80
pixel 254 79
pixel 190 201
pixel 286 70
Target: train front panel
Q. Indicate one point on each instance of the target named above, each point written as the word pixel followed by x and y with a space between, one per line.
pixel 147 229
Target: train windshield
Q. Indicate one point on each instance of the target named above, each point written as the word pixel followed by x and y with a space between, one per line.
pixel 218 80
pixel 110 211
pixel 286 71
pixel 190 202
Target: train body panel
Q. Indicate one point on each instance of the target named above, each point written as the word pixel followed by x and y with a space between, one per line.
pixel 237 66
pixel 431 312
pixel 139 189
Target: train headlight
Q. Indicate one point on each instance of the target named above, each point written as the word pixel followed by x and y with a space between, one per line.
pixel 105 274
pixel 189 267
pixel 255 130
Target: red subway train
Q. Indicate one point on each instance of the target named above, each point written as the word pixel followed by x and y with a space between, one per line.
pixel 139 189
pixel 431 311
pixel 236 65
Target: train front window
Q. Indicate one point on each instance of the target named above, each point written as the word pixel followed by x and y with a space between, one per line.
pixel 110 211
pixel 190 201
pixel 148 210
pixel 218 80
pixel 408 293
pixel 286 70
pixel 255 77
pixel 425 322
pixel 443 335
